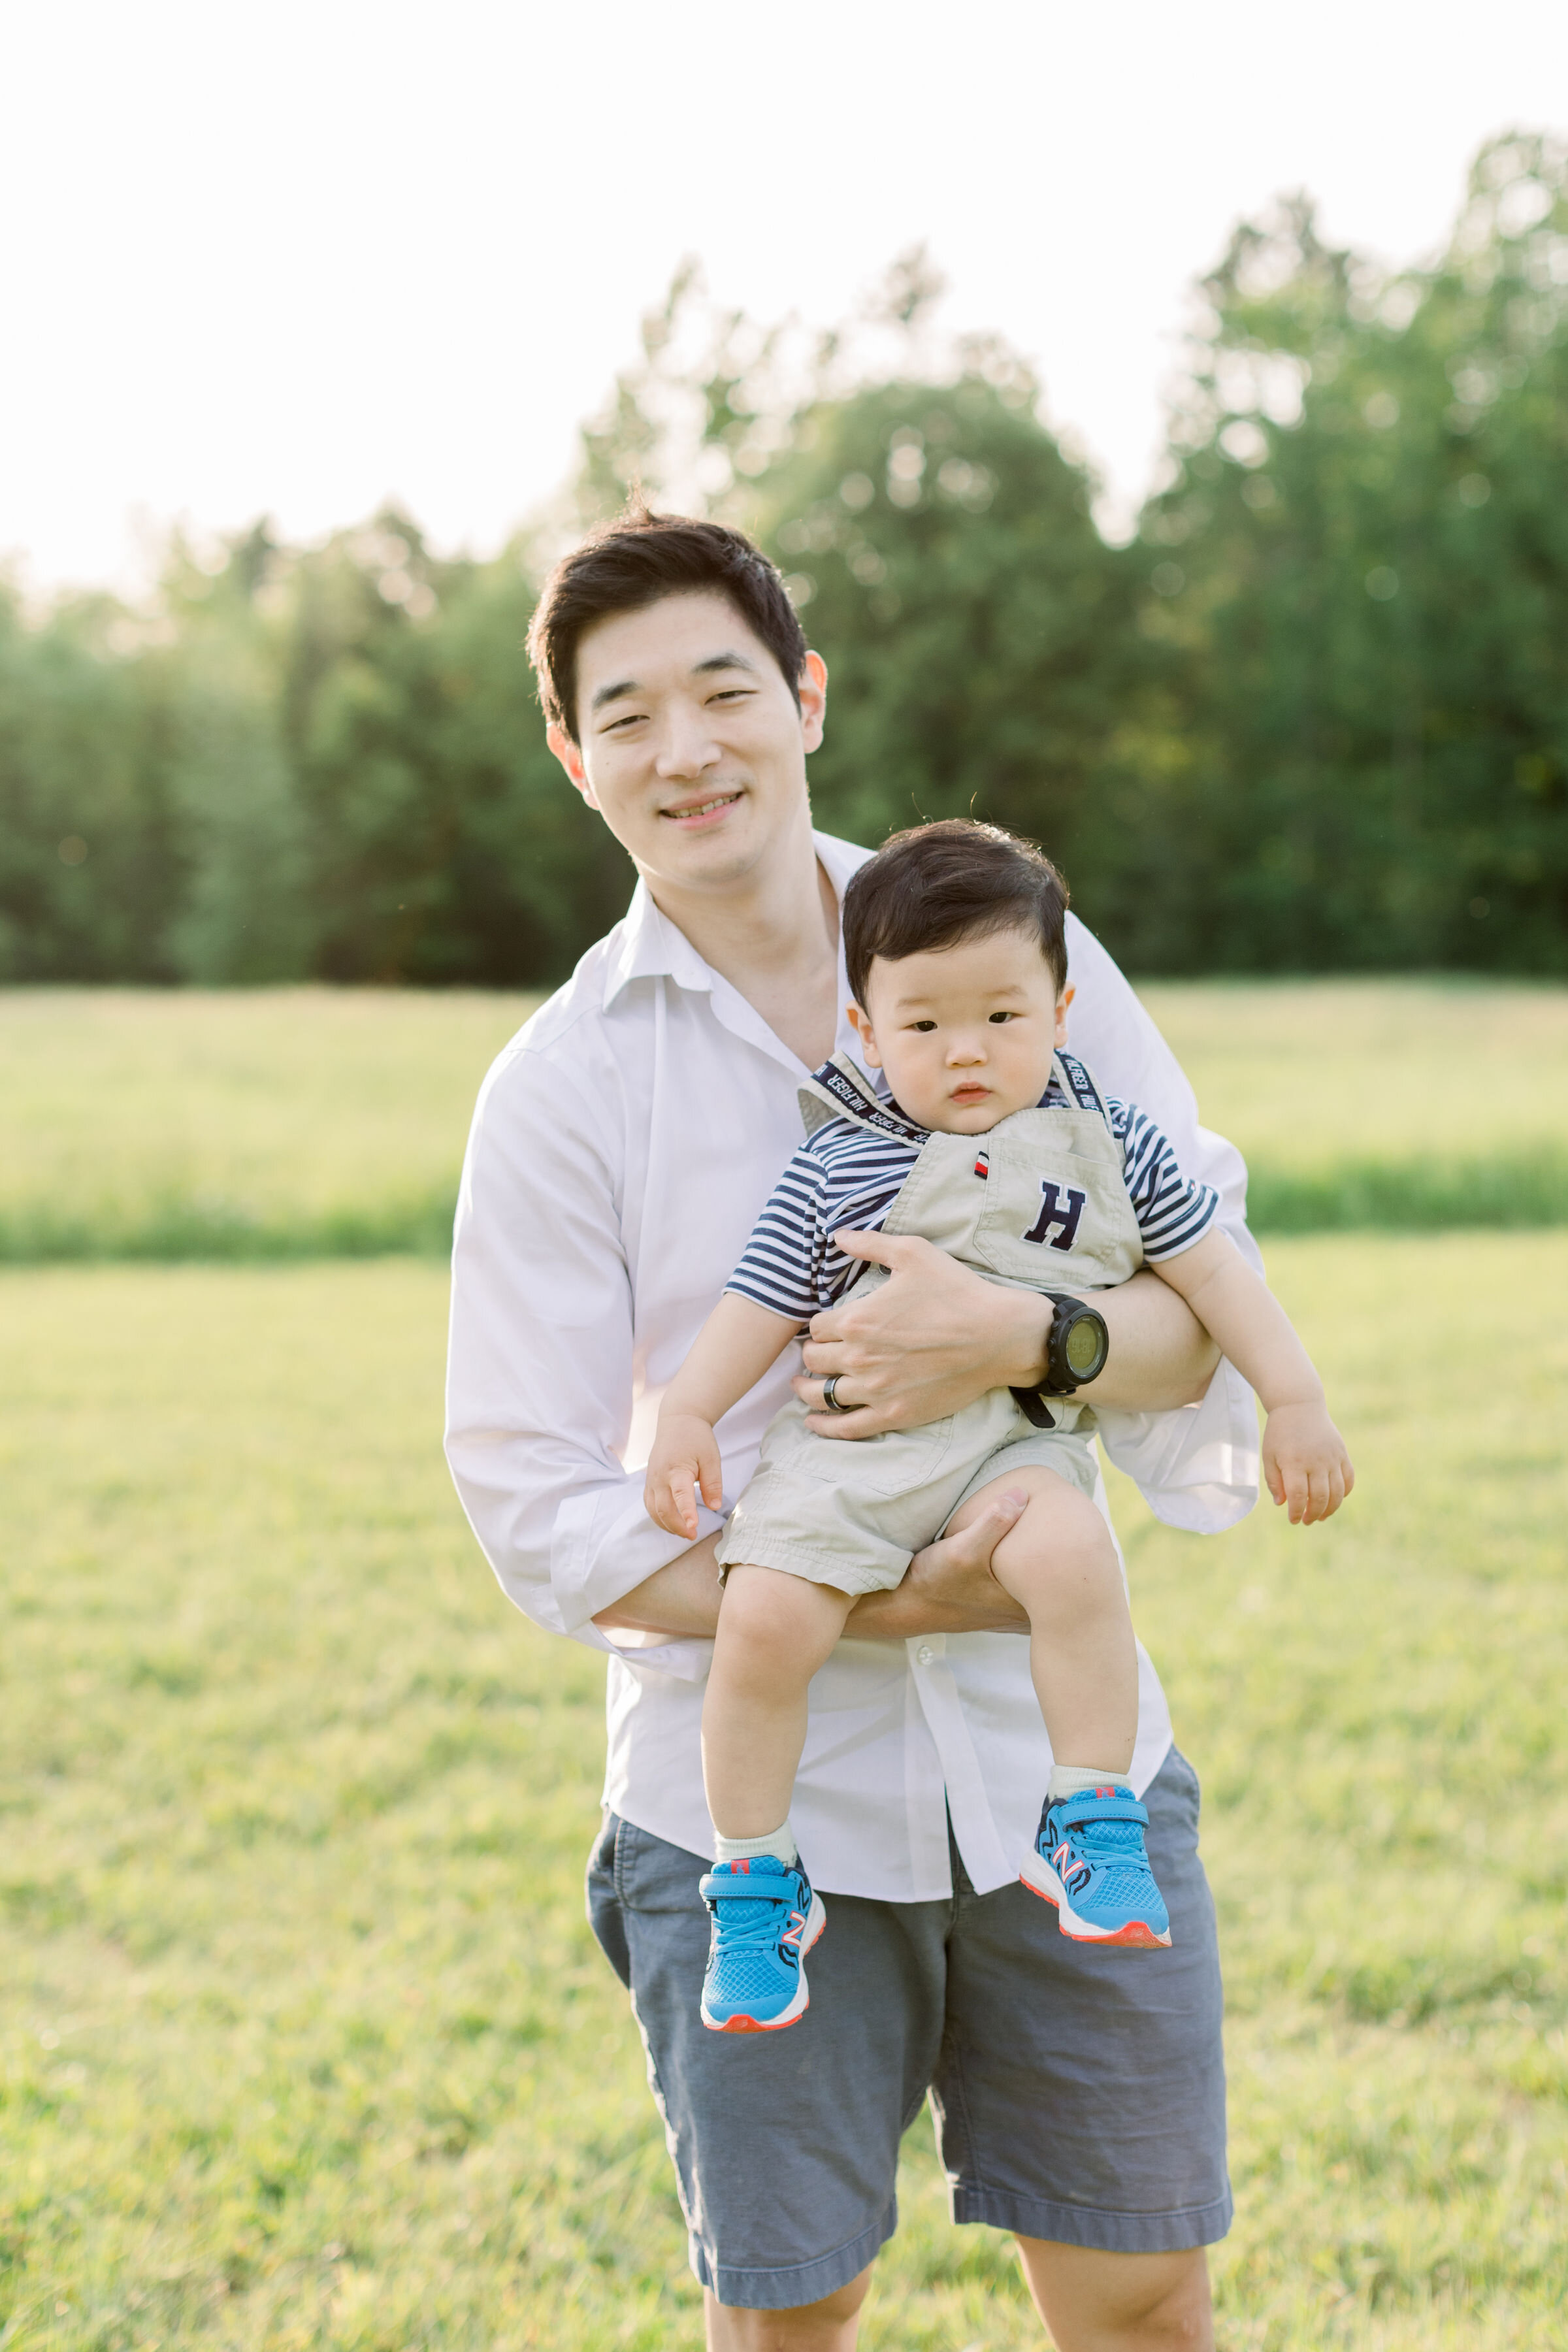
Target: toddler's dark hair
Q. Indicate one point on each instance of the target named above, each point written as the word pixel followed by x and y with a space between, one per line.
pixel 938 883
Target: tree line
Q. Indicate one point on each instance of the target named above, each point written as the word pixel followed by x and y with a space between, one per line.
pixel 1312 714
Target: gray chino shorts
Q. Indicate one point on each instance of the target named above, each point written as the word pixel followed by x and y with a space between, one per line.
pixel 1078 2093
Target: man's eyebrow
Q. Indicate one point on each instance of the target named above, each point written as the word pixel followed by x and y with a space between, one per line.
pixel 730 660
pixel 621 686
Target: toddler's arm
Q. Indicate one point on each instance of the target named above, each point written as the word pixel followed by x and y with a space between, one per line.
pixel 1304 1458
pixel 734 1348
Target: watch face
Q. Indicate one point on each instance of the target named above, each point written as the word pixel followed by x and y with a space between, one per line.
pixel 1084 1349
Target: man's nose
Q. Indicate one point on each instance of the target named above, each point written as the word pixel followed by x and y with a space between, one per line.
pixel 685 744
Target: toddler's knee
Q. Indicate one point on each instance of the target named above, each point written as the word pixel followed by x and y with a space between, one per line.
pixel 748 1613
pixel 764 1609
pixel 1064 1540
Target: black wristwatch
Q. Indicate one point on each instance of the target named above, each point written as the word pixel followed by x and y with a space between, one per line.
pixel 1077 1348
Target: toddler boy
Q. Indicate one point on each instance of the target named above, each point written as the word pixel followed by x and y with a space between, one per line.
pixel 995 1143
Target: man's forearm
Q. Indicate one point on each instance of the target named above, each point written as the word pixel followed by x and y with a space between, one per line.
pixel 910 1613
pixel 1157 1360
pixel 949 1589
pixel 680 1601
pixel 1160 1355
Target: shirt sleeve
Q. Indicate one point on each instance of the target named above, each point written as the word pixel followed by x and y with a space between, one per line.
pixel 1197 1466
pixel 781 1267
pixel 1118 1038
pixel 541 1370
pixel 1174 1211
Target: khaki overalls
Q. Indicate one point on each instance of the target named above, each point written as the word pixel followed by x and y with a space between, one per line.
pixel 1037 1203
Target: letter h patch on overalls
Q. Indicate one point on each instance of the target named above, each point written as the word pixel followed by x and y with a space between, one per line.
pixel 1052 1213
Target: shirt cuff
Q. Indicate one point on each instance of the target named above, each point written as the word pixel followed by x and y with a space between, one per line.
pixel 602 1547
pixel 1196 1467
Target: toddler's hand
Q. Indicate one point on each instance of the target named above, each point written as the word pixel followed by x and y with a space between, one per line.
pixel 1305 1464
pixel 684 1461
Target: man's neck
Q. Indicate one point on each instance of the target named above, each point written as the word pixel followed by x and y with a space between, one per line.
pixel 774 937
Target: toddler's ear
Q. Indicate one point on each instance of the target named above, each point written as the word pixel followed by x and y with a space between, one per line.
pixel 1063 1002
pixel 860 1022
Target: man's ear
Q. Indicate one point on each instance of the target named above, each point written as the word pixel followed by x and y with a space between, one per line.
pixel 861 1024
pixel 812 688
pixel 570 755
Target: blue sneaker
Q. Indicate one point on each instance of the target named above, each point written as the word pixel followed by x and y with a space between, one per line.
pixel 1088 1859
pixel 765 1920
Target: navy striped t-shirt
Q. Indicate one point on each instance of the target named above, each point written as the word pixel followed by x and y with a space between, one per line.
pixel 845 1178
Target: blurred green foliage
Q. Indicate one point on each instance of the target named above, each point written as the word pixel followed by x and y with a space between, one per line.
pixel 1363 551
pixel 326 763
pixel 1313 716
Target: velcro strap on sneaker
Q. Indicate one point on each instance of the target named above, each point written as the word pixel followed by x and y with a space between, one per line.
pixel 1086 1807
pixel 746 1890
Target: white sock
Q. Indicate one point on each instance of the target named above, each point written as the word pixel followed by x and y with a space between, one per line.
pixel 780 1842
pixel 1068 1780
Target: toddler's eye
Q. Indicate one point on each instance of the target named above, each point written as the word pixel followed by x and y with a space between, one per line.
pixel 1004 1016
pixel 923 1025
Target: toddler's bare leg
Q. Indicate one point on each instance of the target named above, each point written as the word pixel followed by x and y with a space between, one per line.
pixel 774 1631
pixel 1058 1560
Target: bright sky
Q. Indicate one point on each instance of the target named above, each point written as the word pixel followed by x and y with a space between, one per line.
pixel 297 257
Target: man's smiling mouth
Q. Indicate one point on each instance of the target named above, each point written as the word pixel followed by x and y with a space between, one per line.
pixel 701 808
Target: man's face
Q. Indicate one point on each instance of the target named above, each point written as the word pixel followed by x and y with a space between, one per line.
pixel 690 743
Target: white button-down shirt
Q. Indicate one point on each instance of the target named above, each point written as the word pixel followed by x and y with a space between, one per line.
pixel 621 1146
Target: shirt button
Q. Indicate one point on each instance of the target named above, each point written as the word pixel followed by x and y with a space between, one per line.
pixel 925 1653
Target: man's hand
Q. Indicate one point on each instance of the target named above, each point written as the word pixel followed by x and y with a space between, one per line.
pixel 936 1335
pixel 1305 1463
pixel 949 1587
pixel 684 1461
pixel 922 1345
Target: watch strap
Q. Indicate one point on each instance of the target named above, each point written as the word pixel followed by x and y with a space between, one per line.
pixel 1031 1403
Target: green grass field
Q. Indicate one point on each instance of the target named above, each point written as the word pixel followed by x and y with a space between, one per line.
pixel 304 2043
pixel 318 1122
pixel 302 2039
pixel 1405 1105
pixel 246 1123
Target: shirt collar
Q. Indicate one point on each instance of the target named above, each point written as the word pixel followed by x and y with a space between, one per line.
pixel 646 945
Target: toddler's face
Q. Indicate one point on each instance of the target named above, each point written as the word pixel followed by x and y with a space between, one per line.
pixel 966 1033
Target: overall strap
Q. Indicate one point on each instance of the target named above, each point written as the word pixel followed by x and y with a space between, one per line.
pixel 1079 1086
pixel 840 1089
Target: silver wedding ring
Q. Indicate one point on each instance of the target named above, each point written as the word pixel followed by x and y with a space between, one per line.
pixel 830 1394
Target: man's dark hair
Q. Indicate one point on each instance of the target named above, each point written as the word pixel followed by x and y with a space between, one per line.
pixel 633 561
pixel 938 883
